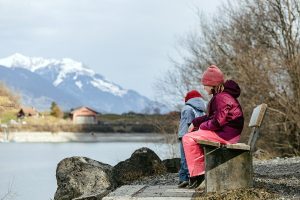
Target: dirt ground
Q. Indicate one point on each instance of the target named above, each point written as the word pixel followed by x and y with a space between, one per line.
pixel 241 194
pixel 273 179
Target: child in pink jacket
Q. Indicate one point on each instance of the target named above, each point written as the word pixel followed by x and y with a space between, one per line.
pixel 223 123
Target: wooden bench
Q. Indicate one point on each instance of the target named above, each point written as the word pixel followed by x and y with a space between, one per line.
pixel 230 166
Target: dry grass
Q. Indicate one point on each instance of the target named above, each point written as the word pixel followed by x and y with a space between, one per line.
pixel 239 194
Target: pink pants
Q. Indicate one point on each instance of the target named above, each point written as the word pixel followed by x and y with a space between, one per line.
pixel 194 154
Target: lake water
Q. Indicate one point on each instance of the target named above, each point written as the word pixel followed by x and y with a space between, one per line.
pixel 27 170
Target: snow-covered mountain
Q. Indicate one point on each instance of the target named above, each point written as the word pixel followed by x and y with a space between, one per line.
pixel 69 83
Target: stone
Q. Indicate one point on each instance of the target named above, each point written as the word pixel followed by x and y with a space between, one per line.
pixel 83 178
pixel 172 165
pixel 142 163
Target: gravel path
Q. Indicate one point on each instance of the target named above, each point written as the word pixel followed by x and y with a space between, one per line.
pixel 280 176
pixel 273 179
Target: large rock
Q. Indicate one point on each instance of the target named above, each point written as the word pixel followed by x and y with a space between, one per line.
pixel 83 178
pixel 143 162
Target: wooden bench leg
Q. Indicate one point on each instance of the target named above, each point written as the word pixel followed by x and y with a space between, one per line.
pixel 227 169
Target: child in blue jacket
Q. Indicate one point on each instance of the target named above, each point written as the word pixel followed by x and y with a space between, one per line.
pixel 194 107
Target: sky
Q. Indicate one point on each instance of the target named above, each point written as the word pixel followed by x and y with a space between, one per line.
pixel 129 42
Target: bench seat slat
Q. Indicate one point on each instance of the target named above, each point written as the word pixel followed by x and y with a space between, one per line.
pixel 241 146
pixel 210 143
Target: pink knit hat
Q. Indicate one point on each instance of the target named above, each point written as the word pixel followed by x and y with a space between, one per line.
pixel 192 94
pixel 212 76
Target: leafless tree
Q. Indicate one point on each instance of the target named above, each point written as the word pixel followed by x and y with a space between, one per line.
pixel 9 194
pixel 9 101
pixel 256 43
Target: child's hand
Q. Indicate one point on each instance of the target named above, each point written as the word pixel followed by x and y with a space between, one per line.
pixel 191 128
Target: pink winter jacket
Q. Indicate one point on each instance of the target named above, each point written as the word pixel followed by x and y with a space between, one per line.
pixel 225 115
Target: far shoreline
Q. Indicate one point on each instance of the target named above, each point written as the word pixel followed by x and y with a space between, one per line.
pixel 90 137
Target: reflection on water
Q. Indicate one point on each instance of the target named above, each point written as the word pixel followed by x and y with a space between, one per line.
pixel 30 167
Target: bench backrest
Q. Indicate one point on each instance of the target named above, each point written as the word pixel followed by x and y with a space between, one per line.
pixel 255 122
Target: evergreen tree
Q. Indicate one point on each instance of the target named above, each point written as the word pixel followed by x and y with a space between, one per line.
pixel 55 110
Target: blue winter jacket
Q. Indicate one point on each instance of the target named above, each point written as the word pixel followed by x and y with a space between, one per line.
pixel 195 107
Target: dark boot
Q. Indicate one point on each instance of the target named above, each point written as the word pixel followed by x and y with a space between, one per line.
pixel 195 181
pixel 183 184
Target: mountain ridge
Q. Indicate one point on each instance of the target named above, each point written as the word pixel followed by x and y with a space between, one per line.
pixel 71 84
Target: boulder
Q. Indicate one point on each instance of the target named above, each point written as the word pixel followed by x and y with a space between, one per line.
pixel 83 178
pixel 143 162
pixel 172 165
